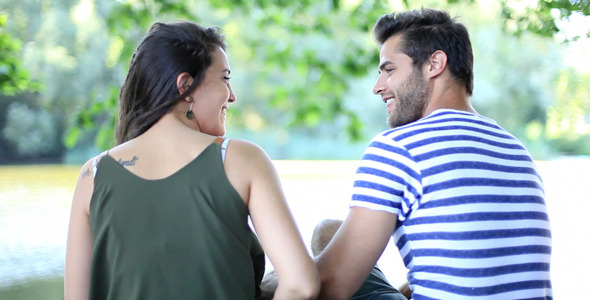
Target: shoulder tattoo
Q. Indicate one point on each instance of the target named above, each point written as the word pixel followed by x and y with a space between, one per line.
pixel 128 163
pixel 86 173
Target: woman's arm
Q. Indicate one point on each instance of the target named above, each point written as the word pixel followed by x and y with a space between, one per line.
pixel 353 251
pixel 274 224
pixel 79 245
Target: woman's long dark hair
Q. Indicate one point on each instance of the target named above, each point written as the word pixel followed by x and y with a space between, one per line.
pixel 150 89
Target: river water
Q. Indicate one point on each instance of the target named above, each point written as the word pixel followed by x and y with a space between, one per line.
pixel 35 202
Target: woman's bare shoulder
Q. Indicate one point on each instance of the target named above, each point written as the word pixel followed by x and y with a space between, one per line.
pixel 245 148
pixel 247 155
pixel 85 184
pixel 88 169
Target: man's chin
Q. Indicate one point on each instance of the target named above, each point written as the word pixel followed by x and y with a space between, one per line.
pixel 394 122
pixel 397 122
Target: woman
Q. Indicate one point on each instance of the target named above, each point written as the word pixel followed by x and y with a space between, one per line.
pixel 163 215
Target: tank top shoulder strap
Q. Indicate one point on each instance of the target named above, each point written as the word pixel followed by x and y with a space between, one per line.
pixel 96 161
pixel 223 142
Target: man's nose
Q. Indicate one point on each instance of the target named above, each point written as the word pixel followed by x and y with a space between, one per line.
pixel 379 86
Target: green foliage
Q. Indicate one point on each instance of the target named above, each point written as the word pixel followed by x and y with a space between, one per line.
pixel 289 42
pixel 13 77
pixel 542 19
pixel 319 75
pixel 568 124
pixel 35 125
pixel 99 112
pixel 520 94
pixel 65 50
pixel 300 68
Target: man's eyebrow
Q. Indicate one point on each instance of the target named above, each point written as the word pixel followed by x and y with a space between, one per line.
pixel 227 70
pixel 383 64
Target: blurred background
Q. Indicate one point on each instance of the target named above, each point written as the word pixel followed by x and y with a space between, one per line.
pixel 303 73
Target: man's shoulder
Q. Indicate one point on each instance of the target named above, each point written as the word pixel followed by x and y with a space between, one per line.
pixel 432 122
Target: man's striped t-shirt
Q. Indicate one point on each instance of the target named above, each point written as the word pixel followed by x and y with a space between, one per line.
pixel 472 220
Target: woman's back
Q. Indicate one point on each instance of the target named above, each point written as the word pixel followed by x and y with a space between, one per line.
pixel 163 217
pixel 184 234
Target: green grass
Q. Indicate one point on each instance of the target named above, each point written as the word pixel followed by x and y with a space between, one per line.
pixel 43 289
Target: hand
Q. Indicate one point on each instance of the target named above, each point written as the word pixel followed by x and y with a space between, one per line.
pixel 406 290
pixel 268 286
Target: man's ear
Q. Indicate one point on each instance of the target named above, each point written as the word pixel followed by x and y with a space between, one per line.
pixel 183 81
pixel 436 64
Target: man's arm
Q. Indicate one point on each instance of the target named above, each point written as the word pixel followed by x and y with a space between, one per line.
pixel 374 231
pixel 353 252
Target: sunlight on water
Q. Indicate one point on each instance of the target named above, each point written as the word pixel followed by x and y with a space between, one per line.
pixel 35 203
pixel 34 209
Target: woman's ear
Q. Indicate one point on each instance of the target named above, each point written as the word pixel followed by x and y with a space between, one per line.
pixel 436 64
pixel 183 81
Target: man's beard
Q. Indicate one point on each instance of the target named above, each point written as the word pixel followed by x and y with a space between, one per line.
pixel 411 100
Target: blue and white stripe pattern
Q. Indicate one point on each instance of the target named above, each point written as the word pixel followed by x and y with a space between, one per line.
pixel 472 220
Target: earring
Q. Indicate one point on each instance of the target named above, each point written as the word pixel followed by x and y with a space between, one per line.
pixel 189 113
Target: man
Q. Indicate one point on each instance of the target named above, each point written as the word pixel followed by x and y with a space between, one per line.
pixel 461 196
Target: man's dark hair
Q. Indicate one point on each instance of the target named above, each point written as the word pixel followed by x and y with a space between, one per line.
pixel 150 89
pixel 425 31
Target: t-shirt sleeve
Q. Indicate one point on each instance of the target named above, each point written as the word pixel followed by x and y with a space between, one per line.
pixel 387 179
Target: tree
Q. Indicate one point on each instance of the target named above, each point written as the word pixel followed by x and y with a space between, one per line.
pixel 544 18
pixel 320 74
pixel 13 77
pixel 302 58
pixel 65 51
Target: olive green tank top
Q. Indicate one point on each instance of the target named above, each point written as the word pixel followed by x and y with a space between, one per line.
pixel 185 236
